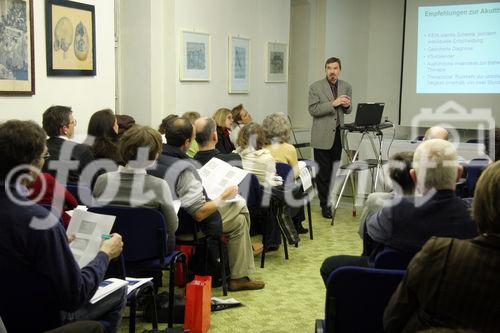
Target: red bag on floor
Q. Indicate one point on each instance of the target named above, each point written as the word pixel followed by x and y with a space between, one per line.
pixel 179 280
pixel 198 303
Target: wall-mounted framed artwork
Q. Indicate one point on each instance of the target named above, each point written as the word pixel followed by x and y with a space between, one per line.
pixel 17 69
pixel 239 65
pixel 277 62
pixel 195 59
pixel 70 38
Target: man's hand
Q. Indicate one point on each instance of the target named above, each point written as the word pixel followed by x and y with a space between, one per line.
pixel 343 100
pixel 113 246
pixel 229 193
pixel 71 238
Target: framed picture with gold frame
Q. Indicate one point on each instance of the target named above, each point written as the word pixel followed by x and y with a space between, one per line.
pixel 70 38
pixel 17 65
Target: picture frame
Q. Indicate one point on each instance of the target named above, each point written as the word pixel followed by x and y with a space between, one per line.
pixel 277 62
pixel 195 57
pixel 17 56
pixel 70 38
pixel 238 65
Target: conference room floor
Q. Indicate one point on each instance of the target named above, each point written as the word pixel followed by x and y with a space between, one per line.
pixel 294 295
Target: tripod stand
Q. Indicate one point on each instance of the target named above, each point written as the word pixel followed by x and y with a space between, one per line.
pixel 354 164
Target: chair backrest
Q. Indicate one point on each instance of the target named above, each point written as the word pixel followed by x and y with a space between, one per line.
pixel 356 298
pixel 251 190
pixel 143 231
pixel 285 171
pixel 392 259
pixel 473 170
pixel 82 194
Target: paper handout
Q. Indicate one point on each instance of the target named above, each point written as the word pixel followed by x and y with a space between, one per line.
pixel 107 287
pixel 217 175
pixel 89 229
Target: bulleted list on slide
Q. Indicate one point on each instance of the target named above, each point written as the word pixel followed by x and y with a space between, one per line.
pixel 459 49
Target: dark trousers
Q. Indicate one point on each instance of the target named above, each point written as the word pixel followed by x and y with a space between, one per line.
pixel 332 263
pixel 326 159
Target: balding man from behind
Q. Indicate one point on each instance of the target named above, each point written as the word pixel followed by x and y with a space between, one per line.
pixel 436 132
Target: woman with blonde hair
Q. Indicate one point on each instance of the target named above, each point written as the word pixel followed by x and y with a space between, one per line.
pixel 224 120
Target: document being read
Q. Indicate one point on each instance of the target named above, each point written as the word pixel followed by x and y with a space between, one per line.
pixel 88 229
pixel 217 175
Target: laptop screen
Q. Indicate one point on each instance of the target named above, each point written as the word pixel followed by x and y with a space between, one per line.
pixel 369 114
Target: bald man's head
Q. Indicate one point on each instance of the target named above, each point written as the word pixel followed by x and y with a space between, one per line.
pixel 436 132
pixel 205 128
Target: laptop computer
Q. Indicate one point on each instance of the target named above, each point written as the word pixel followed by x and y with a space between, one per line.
pixel 367 115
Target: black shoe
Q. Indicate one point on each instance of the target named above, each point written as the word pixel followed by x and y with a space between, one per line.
pixel 302 230
pixel 326 211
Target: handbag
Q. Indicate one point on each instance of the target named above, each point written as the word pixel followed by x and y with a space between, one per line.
pixel 198 303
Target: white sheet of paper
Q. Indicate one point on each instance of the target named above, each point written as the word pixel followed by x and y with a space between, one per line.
pixel 81 207
pixel 107 287
pixel 305 176
pixel 88 228
pixel 134 283
pixel 217 175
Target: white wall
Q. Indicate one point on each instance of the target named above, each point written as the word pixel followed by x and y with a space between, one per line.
pixel 84 94
pixel 365 35
pixel 153 40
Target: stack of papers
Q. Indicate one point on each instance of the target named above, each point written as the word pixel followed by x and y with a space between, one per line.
pixel 110 285
pixel 218 175
pixel 221 304
pixel 107 287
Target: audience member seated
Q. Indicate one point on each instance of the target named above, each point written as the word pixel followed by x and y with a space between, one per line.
pixel 405 224
pixel 103 135
pixel 401 184
pixel 41 285
pixel 224 120
pixel 192 116
pixel 124 123
pixel 163 125
pixel 206 136
pixel 46 190
pixel 436 132
pixel 241 117
pixel 179 171
pixel 452 282
pixel 59 124
pixel 493 151
pixel 277 129
pixel 255 158
pixel 139 147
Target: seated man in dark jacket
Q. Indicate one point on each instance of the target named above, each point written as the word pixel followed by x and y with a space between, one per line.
pixel 59 124
pixel 206 136
pixel 41 285
pixel 406 223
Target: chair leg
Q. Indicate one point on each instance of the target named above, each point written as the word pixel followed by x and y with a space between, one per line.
pixel 285 245
pixel 133 306
pixel 223 264
pixel 182 258
pixel 309 217
pixel 264 243
pixel 155 314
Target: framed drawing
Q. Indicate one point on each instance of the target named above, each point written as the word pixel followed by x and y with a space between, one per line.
pixel 277 62
pixel 239 65
pixel 195 58
pixel 17 69
pixel 70 38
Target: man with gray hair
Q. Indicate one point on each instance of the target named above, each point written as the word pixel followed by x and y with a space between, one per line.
pixel 405 224
pixel 206 136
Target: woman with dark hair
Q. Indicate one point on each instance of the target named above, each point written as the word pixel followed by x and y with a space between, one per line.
pixel 224 120
pixel 124 123
pixel 241 117
pixel 454 282
pixel 103 129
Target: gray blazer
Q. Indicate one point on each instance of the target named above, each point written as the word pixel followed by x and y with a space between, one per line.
pixel 323 113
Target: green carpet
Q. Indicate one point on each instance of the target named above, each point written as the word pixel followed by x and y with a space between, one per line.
pixel 294 295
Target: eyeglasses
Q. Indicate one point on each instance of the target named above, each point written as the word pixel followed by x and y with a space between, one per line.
pixel 46 156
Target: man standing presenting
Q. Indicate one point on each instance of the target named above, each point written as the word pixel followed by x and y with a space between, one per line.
pixel 329 99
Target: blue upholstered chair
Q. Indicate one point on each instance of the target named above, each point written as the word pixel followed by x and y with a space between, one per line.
pixel 145 244
pixel 392 259
pixel 356 298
